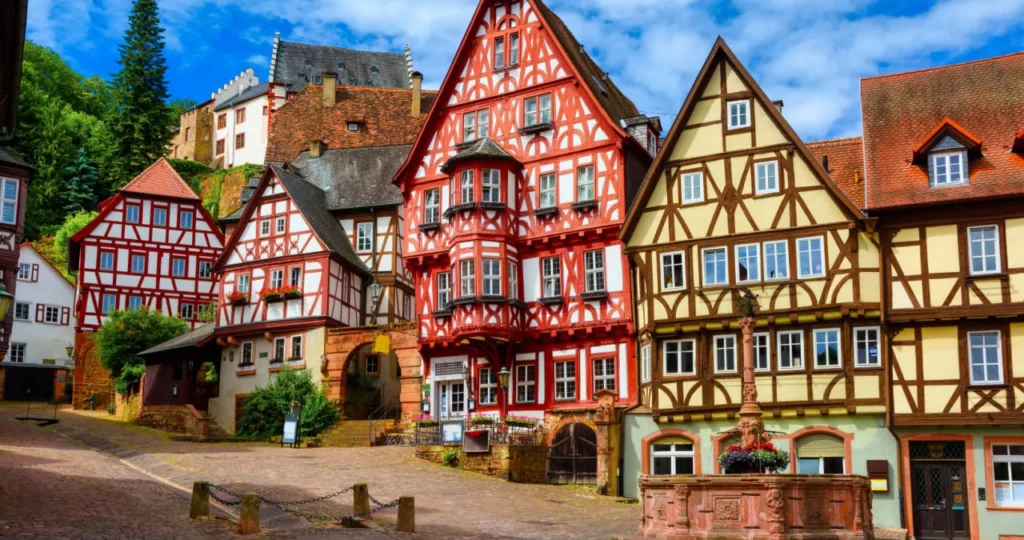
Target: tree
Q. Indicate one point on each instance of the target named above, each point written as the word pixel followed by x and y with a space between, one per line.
pixel 49 250
pixel 79 192
pixel 125 335
pixel 74 223
pixel 177 107
pixel 139 122
pixel 265 409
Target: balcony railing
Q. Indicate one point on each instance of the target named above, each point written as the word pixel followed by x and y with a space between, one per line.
pixel 500 433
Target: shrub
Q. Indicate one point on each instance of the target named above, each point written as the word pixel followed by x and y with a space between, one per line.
pixel 265 409
pixel 127 333
pixel 188 168
pixel 450 457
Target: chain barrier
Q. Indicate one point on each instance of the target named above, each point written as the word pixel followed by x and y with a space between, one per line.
pixel 286 505
pixel 225 490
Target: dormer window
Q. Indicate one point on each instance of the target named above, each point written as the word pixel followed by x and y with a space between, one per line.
pixel 945 153
pixel 353 126
pixel 739 114
pixel 948 168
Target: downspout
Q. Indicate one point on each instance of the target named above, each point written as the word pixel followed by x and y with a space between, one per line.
pixel 620 484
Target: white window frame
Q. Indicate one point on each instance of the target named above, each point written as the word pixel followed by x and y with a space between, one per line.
pixel 469 126
pixel 191 311
pixel 645 363
pixel 132 217
pixel 280 224
pixel 104 310
pixel 775 255
pixel 548 190
pixel 606 379
pixel 823 336
pixel 295 276
pixel 944 159
pixel 756 260
pixel 113 261
pixel 983 255
pixel 499 53
pixel 467 278
pixel 821 464
pixel 9 204
pixel 552 275
pixel 491 277
pixel 483 120
pixel 513 280
pixel 138 257
pixel 704 267
pixel 999 357
pixel 564 381
pixel 191 219
pixel 134 302
pixel 680 356
pixel 276 278
pixel 766 167
pixel 672 454
pixel 466 187
pixel 243 282
pixel 526 380
pixel 488 387
pixel 265 227
pixel 743 114
pixel 735 353
pixel 364 237
pixel 1009 459
pixel 175 271
pixel 18 352
pixel 28 311
pixel 432 205
pixel 672 266
pixel 799 267
pixel 491 186
pixel 513 49
pixel 444 290
pixel 24 271
pixel 796 363
pixel 860 335
pixel 51 314
pixel 692 186
pixel 160 217
pixel 762 345
pixel 205 269
pixel 593 270
pixel 586 186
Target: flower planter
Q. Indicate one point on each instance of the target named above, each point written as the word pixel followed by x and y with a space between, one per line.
pixel 239 301
pixel 292 295
pixel 272 298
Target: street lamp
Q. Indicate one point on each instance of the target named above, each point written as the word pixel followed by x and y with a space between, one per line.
pixel 503 376
pixel 5 301
pixel 70 350
pixel 375 293
pixel 471 402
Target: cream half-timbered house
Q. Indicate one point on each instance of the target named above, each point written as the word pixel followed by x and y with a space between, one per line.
pixel 736 202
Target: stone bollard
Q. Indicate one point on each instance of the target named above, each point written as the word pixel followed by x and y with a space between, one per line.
pixel 249 518
pixel 200 500
pixel 360 499
pixel 406 515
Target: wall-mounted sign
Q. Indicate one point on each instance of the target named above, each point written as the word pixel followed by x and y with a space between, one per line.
pixel 878 472
pixel 476 441
pixel 264 354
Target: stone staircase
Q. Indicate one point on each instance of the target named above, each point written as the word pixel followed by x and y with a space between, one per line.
pixel 354 433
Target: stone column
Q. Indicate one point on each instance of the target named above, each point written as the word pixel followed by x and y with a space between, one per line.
pixel 410 361
pixel 750 423
pixel 604 419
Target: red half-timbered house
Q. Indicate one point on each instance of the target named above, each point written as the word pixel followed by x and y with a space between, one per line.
pixel 514 193
pixel 152 245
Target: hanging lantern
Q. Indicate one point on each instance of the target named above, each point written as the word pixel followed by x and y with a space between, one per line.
pixel 5 301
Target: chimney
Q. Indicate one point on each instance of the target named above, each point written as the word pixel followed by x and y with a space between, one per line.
pixel 778 105
pixel 330 88
pixel 315 148
pixel 417 86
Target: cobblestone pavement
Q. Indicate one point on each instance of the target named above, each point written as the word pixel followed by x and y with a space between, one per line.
pixel 449 503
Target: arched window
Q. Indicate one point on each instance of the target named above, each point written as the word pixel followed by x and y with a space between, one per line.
pixel 820 453
pixel 672 455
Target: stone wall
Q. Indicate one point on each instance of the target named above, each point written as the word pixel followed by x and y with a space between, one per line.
pixel 342 342
pixel 175 418
pixel 90 376
pixel 198 123
pixel 521 464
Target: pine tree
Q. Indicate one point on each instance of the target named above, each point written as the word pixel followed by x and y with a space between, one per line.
pixel 139 122
pixel 80 187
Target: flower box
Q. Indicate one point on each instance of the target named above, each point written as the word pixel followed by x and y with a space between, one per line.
pixel 521 421
pixel 481 420
pixel 238 298
pixel 425 420
pixel 280 293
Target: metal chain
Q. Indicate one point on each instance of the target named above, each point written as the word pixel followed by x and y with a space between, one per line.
pixel 306 501
pixel 286 505
pixel 375 501
pixel 212 487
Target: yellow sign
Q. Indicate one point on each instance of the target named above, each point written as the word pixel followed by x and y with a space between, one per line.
pixel 879 484
pixel 382 344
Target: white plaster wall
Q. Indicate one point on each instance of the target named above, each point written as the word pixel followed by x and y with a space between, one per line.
pixel 42 340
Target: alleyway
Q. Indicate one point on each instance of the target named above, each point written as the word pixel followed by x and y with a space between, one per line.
pixel 98 494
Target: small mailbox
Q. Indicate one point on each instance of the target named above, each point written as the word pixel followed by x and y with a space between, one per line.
pixel 878 472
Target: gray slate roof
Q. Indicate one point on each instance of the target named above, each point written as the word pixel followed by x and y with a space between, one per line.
pixel 190 339
pixel 246 95
pixel 355 177
pixel 10 158
pixel 482 148
pixel 311 202
pixel 298 64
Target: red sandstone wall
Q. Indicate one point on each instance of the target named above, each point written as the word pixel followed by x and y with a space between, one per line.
pixel 90 376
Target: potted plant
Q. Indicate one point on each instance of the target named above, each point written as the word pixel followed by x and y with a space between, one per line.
pixel 481 420
pixel 520 421
pixel 755 458
pixel 270 295
pixel 425 420
pixel 238 298
pixel 290 292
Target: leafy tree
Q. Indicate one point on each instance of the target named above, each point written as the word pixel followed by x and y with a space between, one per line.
pixel 126 334
pixel 140 121
pixel 74 223
pixel 265 409
pixel 177 107
pixel 46 247
pixel 79 191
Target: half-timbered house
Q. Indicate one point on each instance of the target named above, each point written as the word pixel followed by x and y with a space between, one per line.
pixel 944 154
pixel 736 202
pixel 514 193
pixel 152 245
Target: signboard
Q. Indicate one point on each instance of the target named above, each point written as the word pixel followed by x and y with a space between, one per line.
pixel 451 432
pixel 879 484
pixel 476 441
pixel 290 434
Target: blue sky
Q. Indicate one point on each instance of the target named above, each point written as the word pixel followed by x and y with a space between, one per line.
pixel 810 53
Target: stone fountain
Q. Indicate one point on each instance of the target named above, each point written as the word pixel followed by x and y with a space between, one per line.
pixel 755 506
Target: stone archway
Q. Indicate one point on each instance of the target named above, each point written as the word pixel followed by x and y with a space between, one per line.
pixel 343 343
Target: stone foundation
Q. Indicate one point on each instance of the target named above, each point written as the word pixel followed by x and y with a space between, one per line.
pixel 176 419
pixel 763 507
pixel 520 464
pixel 90 377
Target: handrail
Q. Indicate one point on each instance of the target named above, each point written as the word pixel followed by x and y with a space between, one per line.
pixel 380 413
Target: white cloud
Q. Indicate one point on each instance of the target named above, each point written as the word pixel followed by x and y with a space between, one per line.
pixel 259 60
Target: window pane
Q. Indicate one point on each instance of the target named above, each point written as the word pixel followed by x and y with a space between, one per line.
pixel 684 465
pixel 662 465
pixel 808 466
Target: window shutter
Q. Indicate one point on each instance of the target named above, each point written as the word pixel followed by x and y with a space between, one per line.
pixel 40 312
pixel 65 316
pixel 819 445
pixel 35 273
pixel 672 440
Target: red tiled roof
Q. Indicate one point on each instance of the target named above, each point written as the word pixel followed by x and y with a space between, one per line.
pixel 845 164
pixel 984 99
pixel 160 179
pixel 385 116
pixel 946 127
pixel 1018 141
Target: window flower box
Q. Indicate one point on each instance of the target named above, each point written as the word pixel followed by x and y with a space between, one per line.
pixel 520 421
pixel 481 420
pixel 286 292
pixel 425 420
pixel 238 298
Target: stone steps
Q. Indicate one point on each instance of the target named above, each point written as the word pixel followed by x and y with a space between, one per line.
pixel 353 433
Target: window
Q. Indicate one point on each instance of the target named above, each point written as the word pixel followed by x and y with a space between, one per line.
pixel 432 214
pixel 693 187
pixel 513 48
pixel 604 374
pixel 645 363
pixel 246 359
pixel 106 260
pixel 279 225
pixel 466 193
pixel 222 120
pixel 948 168
pixel 295 276
pixel 188 133
pixel 776 260
pixel 138 263
pixel 266 110
pixel 352 126
pixel 109 303
pixel 1008 474
pixel 185 219
pixel 716 267
pixel 134 302
pixel 178 267
pixel 499 52
pixel 739 114
pixel 810 257
pixel 680 357
pixel 552 274
pixel 220 147
pixel 762 352
pixel 205 269
pixel 187 311
pixel 826 349
pixel 240 141
pixel 364 237
pixel 279 345
pixel 865 346
pixel 593 262
pixel 492 185
pixel 483 121
pixel 791 346
pixel 240 116
pixel 986 355
pixel 725 354
pixel 526 384
pixel 444 290
pixel 672 455
pixel 585 184
pixel 21 311
pixel 8 200
pixel 767 177
pixel 24 271
pixel 276 278
pixel 748 263
pixel 469 126
pixel 673 271
pixel 547 190
pixel 160 217
pixel 243 283
pixel 984 249
pixel 819 453
pixel 131 213
pixel 492 277
pixel 373 365
pixel 51 315
pixel 488 387
pixel 18 353
pixel 265 227
pixel 467 279
pixel 565 381
pixel 513 280
pixel 537 110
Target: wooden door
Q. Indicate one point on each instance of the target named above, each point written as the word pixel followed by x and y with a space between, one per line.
pixel 939 491
pixel 572 458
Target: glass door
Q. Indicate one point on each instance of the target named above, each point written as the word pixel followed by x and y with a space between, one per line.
pixel 452 409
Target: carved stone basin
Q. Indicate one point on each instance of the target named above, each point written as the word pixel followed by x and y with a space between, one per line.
pixel 811 507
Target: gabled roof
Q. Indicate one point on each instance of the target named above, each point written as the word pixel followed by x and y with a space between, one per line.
pixel 8 157
pixel 354 177
pixel 721 51
pixel 243 96
pixel 162 180
pixel 484 148
pixel 946 128
pixel 984 97
pixel 28 245
pixel 188 340
pixel 298 64
pixel 845 164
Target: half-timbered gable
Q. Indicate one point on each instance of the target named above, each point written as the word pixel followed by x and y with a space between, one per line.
pixel 152 245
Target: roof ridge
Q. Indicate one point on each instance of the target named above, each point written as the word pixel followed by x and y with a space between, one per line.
pixel 944 66
pixel 399 54
pixel 142 176
pixel 836 140
pixel 364 87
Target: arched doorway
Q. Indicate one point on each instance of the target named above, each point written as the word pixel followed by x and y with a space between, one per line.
pixel 572 458
pixel 372 386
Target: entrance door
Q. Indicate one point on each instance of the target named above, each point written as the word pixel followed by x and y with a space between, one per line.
pixel 940 499
pixel 451 409
pixel 572 458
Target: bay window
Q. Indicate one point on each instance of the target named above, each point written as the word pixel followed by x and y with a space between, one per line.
pixel 492 277
pixel 492 185
pixel 467 278
pixel 466 193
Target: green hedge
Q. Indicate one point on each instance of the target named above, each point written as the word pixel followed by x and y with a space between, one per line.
pixel 265 409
